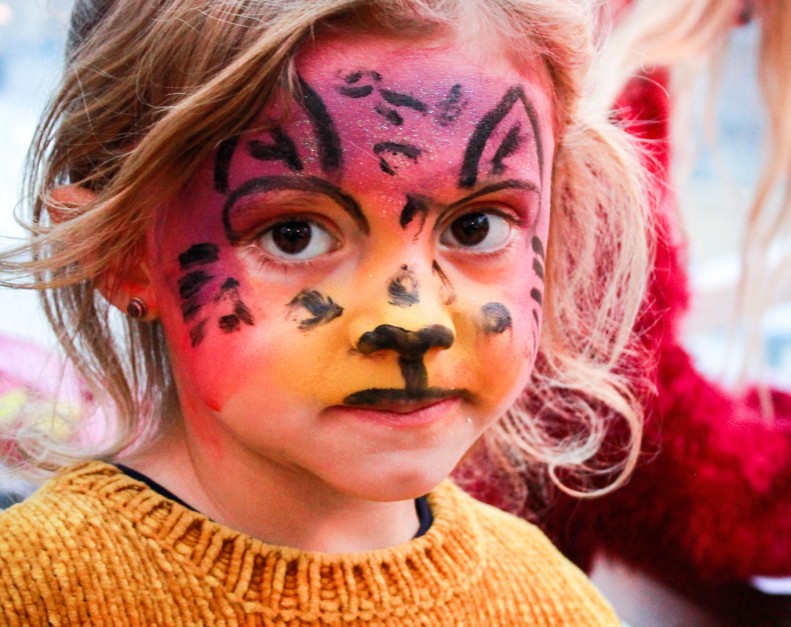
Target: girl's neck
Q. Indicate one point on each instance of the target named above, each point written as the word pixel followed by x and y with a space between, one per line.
pixel 276 504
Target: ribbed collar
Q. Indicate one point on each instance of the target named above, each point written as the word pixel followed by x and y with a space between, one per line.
pixel 286 583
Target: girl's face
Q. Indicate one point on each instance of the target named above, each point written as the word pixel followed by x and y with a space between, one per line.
pixel 353 295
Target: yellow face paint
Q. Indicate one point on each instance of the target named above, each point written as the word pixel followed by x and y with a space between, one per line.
pixel 354 293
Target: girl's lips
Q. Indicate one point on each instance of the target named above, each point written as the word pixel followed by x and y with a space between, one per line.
pixel 401 400
pixel 403 412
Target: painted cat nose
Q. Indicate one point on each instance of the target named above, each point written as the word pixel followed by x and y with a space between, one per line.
pixel 410 345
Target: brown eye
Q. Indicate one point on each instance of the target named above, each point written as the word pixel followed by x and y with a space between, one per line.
pixel 296 239
pixel 292 237
pixel 481 230
pixel 470 230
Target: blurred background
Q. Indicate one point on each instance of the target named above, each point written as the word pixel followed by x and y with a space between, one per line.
pixel 714 195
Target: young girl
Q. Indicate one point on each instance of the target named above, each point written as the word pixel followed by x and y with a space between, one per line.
pixel 334 229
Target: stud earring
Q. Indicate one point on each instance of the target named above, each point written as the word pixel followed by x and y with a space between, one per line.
pixel 137 308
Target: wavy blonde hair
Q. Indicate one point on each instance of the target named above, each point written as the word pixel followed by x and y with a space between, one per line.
pixel 150 91
pixel 690 37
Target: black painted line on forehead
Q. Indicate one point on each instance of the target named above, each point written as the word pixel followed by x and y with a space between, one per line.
pixel 283 150
pixel 495 187
pixel 311 184
pixel 509 146
pixel 451 107
pixel 198 255
pixel 327 138
pixel 487 125
pixel 403 100
pixel 355 91
pixel 408 150
pixel 222 164
pixel 391 115
pixel 396 148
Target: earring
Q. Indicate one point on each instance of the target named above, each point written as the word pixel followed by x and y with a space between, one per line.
pixel 137 308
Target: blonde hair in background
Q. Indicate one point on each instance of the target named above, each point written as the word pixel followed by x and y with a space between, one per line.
pixel 690 37
pixel 150 91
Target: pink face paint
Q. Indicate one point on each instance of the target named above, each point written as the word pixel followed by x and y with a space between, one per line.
pixel 405 196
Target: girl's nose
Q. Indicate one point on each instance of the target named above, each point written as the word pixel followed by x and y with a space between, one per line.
pixel 404 313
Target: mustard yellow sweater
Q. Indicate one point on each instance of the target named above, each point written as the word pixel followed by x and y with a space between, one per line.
pixel 95 547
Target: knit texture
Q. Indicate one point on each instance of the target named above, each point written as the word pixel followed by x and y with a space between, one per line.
pixel 96 547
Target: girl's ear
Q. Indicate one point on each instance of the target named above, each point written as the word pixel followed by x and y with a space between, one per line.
pixel 125 281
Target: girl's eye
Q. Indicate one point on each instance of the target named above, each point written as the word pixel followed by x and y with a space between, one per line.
pixel 296 239
pixel 481 230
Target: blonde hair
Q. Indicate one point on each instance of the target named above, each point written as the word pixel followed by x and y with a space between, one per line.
pixel 690 37
pixel 149 92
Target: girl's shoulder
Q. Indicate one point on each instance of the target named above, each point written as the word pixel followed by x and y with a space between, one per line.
pixel 516 561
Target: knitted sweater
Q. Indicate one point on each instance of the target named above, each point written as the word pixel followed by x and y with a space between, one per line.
pixel 96 547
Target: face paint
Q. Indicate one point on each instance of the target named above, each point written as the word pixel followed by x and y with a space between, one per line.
pixel 403 289
pixel 322 308
pixel 485 129
pixel 274 274
pixel 496 318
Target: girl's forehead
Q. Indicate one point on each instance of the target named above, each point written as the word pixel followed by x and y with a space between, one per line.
pixel 391 111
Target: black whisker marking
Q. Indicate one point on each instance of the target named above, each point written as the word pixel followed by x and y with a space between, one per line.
pixel 198 332
pixel 538 246
pixel 446 284
pixel 535 294
pixel 190 309
pixel 322 308
pixel 403 288
pixel 199 255
pixel 190 284
pixel 538 268
pixel 229 323
pixel 496 318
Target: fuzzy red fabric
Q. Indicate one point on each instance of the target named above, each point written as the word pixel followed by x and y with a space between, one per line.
pixel 710 500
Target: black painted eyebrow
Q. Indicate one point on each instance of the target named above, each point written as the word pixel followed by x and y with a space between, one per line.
pixel 312 184
pixel 495 187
